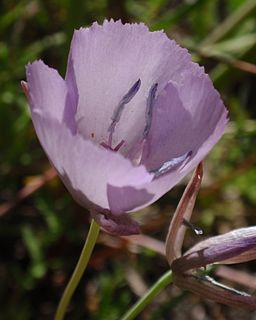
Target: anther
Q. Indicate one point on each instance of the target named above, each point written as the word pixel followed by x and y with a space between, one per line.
pixel 119 109
pixel 149 111
pixel 171 164
pixel 198 231
pixel 131 93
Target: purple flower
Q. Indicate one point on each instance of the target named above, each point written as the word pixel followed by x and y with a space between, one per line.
pixel 132 117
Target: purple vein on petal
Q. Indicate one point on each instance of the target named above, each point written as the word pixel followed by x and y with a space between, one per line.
pixel 171 164
pixel 184 210
pixel 118 111
pixel 149 111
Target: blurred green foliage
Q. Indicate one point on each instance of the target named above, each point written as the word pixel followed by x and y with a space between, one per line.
pixel 41 237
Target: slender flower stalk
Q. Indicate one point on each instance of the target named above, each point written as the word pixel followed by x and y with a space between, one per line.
pixel 147 298
pixel 79 270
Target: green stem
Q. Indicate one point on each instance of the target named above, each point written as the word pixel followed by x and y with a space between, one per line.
pixel 149 296
pixel 79 270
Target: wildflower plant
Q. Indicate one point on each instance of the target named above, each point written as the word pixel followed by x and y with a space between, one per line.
pixel 133 116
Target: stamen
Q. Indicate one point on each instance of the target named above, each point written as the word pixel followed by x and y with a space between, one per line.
pixel 198 231
pixel 171 164
pixel 118 111
pixel 149 111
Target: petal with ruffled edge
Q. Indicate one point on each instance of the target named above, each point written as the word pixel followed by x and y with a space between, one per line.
pixel 107 61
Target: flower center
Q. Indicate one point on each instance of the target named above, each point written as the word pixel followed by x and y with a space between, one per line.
pixel 138 156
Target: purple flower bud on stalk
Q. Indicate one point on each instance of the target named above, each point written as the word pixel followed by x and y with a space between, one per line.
pixel 236 246
pixel 132 117
pixel 232 247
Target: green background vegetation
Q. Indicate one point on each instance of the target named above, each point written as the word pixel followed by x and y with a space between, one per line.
pixel 41 234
